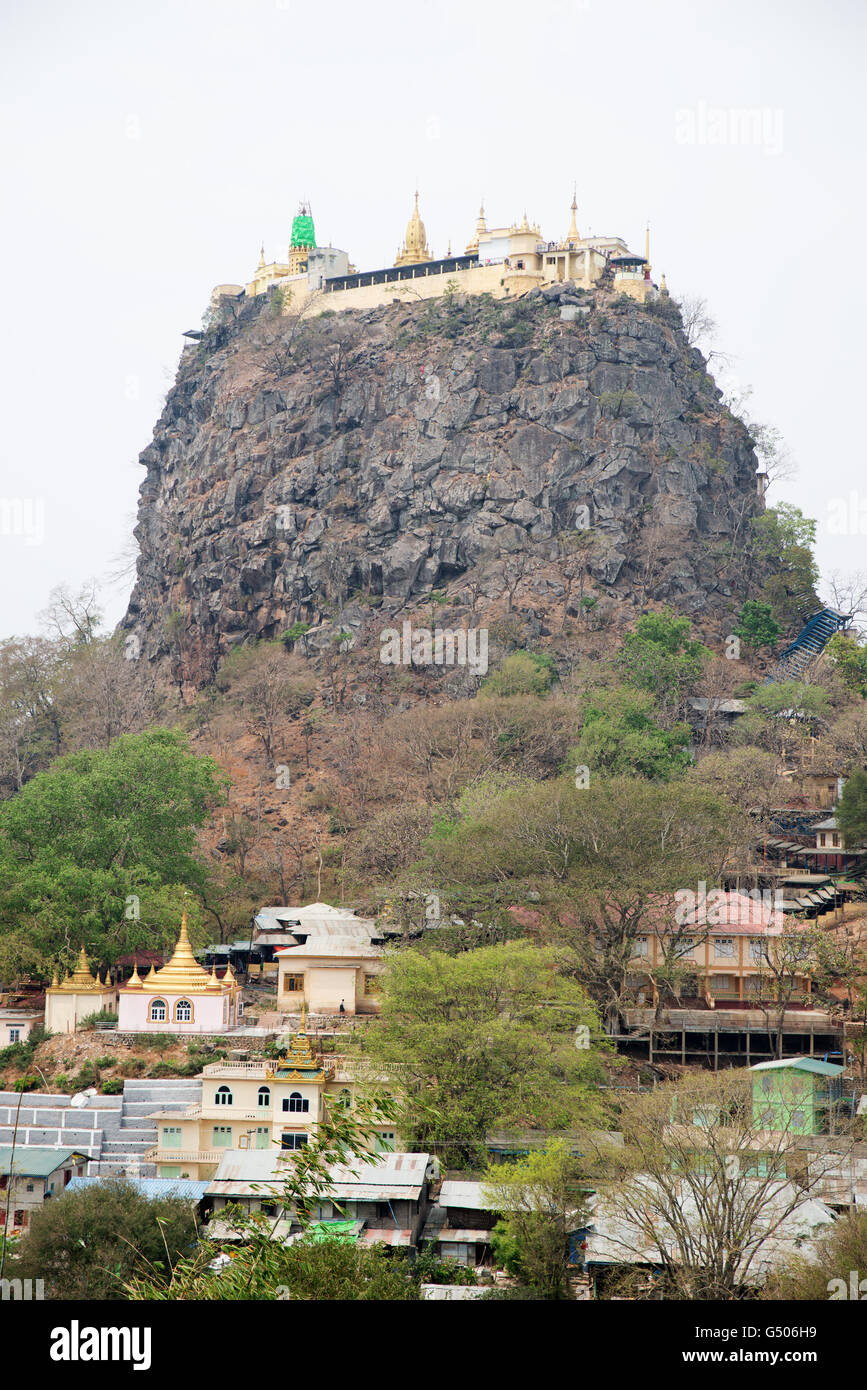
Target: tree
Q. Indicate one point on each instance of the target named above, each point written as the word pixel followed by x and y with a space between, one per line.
pixel 73 618
pixel 851 811
pixel 621 737
pixel 661 658
pixel 521 673
pixel 698 1192
pixel 828 1273
pixel 88 1244
pixel 756 625
pixel 783 540
pixel 261 1263
pixel 849 657
pixel 268 687
pixel 483 1038
pixel 602 860
pixel 745 776
pixel 87 844
pixel 542 1200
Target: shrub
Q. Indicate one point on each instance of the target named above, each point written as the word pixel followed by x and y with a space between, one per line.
pixel 112 1087
pixel 521 673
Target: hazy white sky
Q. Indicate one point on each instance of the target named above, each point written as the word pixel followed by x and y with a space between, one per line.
pixel 147 150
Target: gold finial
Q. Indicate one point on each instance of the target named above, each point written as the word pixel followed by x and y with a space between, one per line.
pixel 261 265
pixel 55 983
pixel 663 287
pixel 573 234
pixel 303 1028
pixel 647 246
pixel 134 981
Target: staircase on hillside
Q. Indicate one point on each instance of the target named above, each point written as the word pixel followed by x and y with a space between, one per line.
pixel 124 1151
pixel 810 641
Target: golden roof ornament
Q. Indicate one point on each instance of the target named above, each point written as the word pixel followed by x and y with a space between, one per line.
pixel 182 974
pixel 80 980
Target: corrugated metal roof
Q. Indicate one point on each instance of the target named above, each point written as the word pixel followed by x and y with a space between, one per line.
pixel 150 1187
pixel 388 1176
pixel 800 1064
pixel 35 1160
pixel 386 1236
pixel 454 1193
pixel 464 1237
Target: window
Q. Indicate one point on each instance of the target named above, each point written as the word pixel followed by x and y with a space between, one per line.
pixel 263 1137
pixel 222 1137
pixel 223 1096
pixel 158 1012
pixel 685 949
pixel 170 1170
pixel 371 984
pixel 171 1137
pixel 639 946
pixel 14 1035
pixel 296 1104
pixel 264 1097
pixel 767 1083
pixel 757 948
pixel 384 1142
pixel 294 984
pixel 30 1187
pixel 293 1141
pixel 550 260
pixel 183 1011
pixel 798 1118
pixel 723 948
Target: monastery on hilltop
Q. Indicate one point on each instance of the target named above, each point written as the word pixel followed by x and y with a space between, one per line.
pixel 497 260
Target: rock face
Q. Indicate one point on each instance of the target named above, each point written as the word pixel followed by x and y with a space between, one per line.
pixel 474 447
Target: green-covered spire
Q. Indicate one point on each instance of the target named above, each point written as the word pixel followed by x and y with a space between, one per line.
pixel 303 231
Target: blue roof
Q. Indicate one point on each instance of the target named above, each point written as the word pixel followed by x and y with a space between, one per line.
pixel 812 1064
pixel 148 1187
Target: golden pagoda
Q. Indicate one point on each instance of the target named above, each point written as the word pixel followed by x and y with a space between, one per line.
pixel 182 974
pixel 76 997
pixel 415 250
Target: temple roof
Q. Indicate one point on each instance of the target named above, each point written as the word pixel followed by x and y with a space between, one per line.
pixel 80 981
pixel 182 974
pixel 303 231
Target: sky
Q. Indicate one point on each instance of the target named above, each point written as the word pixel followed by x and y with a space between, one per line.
pixel 148 149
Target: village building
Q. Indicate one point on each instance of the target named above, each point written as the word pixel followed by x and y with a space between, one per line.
pixel 459 1224
pixel 81 994
pixel 16 1025
pixel 330 974
pixel 799 1095
pixel 500 261
pixel 31 1175
pixel 385 1201
pixel 266 1105
pixel 181 997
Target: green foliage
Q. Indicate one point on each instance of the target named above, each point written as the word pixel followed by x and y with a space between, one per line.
pixel 756 625
pixel 481 1038
pixel 112 1087
pixel 100 830
pixel 838 1252
pixel 661 657
pixel 521 673
pixel 851 812
pixel 783 539
pixel 294 634
pixel 312 1268
pixel 849 659
pixel 781 697
pixel 621 737
pixel 542 1199
pixel 87 1244
pixel 86 1024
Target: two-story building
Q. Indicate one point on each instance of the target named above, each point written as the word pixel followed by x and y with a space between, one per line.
pixel 269 1105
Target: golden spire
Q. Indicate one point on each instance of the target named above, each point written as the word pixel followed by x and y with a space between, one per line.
pixel 134 981
pixel 647 247
pixel 303 1028
pixel 55 983
pixel 481 226
pixel 80 980
pixel 663 287
pixel 415 248
pixel 573 234
pixel 182 974
pixel 261 265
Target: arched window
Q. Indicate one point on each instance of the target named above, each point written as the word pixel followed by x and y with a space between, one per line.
pixel 223 1096
pixel 264 1097
pixel 183 1011
pixel 158 1011
pixel 296 1104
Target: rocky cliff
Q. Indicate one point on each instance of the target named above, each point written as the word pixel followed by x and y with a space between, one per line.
pixel 562 453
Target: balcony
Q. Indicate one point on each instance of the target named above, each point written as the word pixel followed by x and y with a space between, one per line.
pixel 160 1155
